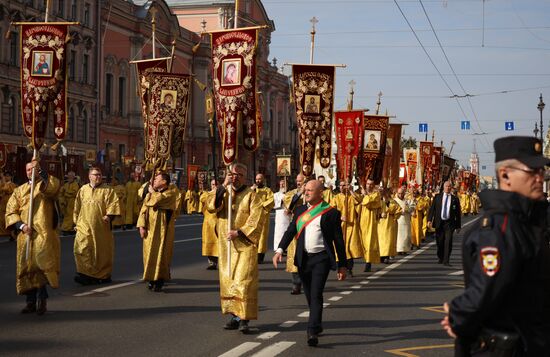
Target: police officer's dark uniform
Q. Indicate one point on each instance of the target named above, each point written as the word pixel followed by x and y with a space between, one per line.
pixel 505 308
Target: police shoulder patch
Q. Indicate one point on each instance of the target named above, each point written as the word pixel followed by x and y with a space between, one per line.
pixel 490 260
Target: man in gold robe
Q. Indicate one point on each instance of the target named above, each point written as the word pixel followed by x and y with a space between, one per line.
pixel 292 200
pixel 96 206
pixel 120 191
pixel 370 211
pixel 266 197
pixel 38 263
pixel 474 203
pixel 387 226
pixel 465 204
pixel 67 195
pixel 209 236
pixel 132 200
pixel 328 195
pixel 239 274
pixel 422 205
pixel 192 201
pixel 6 189
pixel 156 228
pixel 348 203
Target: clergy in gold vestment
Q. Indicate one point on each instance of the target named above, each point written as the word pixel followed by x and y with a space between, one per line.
pixel 370 211
pixel 474 203
pixel 43 263
pixel 239 283
pixel 387 226
pixel 292 200
pixel 67 195
pixel 6 189
pixel 95 207
pixel 417 218
pixel 465 204
pixel 266 197
pixel 120 191
pixel 209 236
pixel 192 201
pixel 132 200
pixel 156 228
pixel 348 203
pixel 328 195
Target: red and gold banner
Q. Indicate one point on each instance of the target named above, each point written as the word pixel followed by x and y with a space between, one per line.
pixel 143 68
pixel 374 146
pixel 234 75
pixel 43 79
pixel 349 140
pixel 313 93
pixel 3 155
pixel 426 148
pixel 167 117
pixel 437 151
pixel 392 156
pixel 192 178
pixel 402 174
pixel 448 168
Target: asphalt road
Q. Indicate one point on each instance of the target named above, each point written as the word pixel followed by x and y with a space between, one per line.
pixel 394 310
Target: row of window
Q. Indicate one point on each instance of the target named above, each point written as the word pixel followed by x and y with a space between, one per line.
pixel 60 7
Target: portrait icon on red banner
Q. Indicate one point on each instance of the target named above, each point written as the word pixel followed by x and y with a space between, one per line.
pixel 313 102
pixel 231 72
pixel 283 166
pixel 372 140
pixel 168 99
pixel 42 63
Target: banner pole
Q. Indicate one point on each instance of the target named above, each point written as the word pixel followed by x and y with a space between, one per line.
pixel 153 29
pixel 313 22
pixel 229 218
pixel 236 14
pixel 31 201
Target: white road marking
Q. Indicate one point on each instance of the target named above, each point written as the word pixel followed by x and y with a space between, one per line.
pixel 288 324
pixel 268 335
pixel 325 304
pixel 188 225
pixel 304 314
pixel 187 240
pixel 241 349
pixel 460 272
pixel 364 282
pixel 335 298
pixel 106 288
pixel 274 349
pixel 356 287
pixel 347 292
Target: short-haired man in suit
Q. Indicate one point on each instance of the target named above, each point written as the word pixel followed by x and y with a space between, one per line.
pixel 444 216
pixel 316 226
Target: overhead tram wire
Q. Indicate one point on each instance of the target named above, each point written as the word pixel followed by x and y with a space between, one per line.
pixel 431 60
pixel 454 73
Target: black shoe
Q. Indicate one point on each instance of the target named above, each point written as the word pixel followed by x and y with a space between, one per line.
pixel 232 324
pixel 212 267
pixel 104 281
pixel 440 261
pixel 157 288
pixel 42 307
pixel 83 280
pixel 150 285
pixel 447 264
pixel 367 267
pixel 243 326
pixel 296 290
pixel 29 308
pixel 312 340
pixel 350 273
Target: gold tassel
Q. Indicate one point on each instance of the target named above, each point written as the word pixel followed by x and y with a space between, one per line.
pixel 56 145
pixel 201 85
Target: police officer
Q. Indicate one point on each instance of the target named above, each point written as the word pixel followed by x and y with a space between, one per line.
pixel 505 308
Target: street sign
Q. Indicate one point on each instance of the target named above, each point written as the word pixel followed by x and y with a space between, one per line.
pixel 465 125
pixel 423 127
pixel 509 125
pixel 483 167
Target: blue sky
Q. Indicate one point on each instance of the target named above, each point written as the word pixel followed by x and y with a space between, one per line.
pixel 382 54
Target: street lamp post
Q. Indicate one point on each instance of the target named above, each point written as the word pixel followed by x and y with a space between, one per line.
pixel 540 107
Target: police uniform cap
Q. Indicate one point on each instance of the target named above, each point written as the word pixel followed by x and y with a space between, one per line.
pixel 526 149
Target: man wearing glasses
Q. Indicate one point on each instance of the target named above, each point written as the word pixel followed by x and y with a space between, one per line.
pixel 505 308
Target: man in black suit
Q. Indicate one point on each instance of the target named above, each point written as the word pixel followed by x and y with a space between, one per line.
pixel 444 216
pixel 316 226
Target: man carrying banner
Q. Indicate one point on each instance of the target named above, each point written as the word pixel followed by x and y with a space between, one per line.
pixel 348 203
pixel 6 189
pixel 387 226
pixel 266 197
pixel 319 243
pixel 192 200
pixel 422 204
pixel 95 207
pixel 38 263
pixel 156 228
pixel 370 210
pixel 239 288
pixel 67 196
pixel 209 236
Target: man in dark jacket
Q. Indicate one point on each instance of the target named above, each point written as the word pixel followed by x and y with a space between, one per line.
pixel 505 308
pixel 317 228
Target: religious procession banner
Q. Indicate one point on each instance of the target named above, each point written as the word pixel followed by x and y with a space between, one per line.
pixel 349 141
pixel 283 165
pixel 167 117
pixel 234 75
pixel 437 151
pixel 426 148
pixel 143 67
pixel 448 168
pixel 402 174
pixel 392 156
pixel 44 79
pixel 374 146
pixel 411 157
pixel 313 93
pixel 192 176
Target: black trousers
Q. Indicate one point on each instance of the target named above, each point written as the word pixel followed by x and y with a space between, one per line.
pixel 41 292
pixel 444 241
pixel 314 273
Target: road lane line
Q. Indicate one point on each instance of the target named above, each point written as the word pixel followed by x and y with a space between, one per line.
pixel 187 240
pixel 241 349
pixel 460 272
pixel 325 304
pixel 355 287
pixel 288 324
pixel 364 282
pixel 347 292
pixel 335 298
pixel 268 335
pixel 188 225
pixel 106 288
pixel 274 349
pixel 304 314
